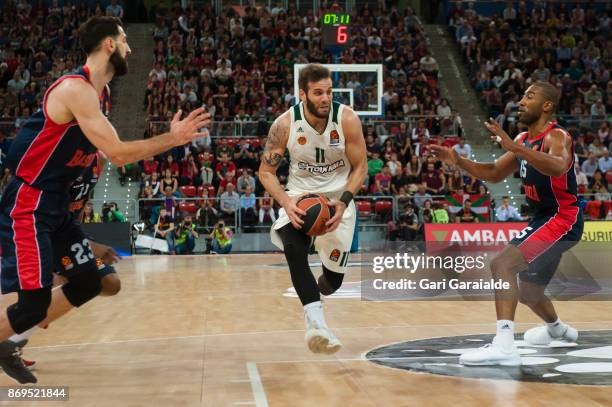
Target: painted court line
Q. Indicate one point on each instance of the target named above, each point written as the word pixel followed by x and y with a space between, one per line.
pixel 168 338
pixel 257 386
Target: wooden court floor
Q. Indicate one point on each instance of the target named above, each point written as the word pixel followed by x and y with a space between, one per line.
pixel 217 331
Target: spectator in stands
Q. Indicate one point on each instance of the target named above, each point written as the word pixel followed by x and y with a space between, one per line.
pixel 590 165
pixel 455 182
pixel 605 162
pixel 189 172
pixel 597 149
pixel 165 229
pixel 223 148
pixel 114 9
pixel 89 216
pixel 434 180
pixel 248 209
pixel 266 208
pixel 150 165
pixel 207 213
pixel 581 179
pixel 375 164
pixel 111 213
pixel 581 149
pixel 420 134
pixel 244 155
pixel 466 214
pixel 462 148
pixel 170 164
pixel 506 212
pixel 407 226
pixel 169 181
pixel 206 170
pixel 245 180
pixel 440 213
pixel 382 182
pixel 597 181
pixel 421 196
pixel 229 202
pixel 185 235
pixel 224 167
pixel 221 239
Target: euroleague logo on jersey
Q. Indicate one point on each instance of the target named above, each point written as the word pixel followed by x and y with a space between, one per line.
pixel 334 138
pixel 302 140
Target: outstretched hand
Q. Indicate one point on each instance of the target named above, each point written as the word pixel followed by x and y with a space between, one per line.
pixel 189 128
pixel 445 154
pixel 499 135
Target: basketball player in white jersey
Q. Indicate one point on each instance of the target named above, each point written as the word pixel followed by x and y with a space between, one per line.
pixel 328 156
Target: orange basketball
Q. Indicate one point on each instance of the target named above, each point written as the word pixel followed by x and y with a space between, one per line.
pixel 318 212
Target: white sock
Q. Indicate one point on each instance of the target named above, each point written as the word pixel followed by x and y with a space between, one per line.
pixel 556 328
pixel 314 312
pixel 505 334
pixel 24 335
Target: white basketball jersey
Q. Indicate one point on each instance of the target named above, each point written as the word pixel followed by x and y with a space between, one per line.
pixel 318 162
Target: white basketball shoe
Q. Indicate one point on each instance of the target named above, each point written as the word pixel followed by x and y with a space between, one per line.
pixel 541 336
pixel 319 337
pixel 490 355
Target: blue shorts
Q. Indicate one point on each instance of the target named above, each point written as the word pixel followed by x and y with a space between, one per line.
pixel 545 239
pixel 35 229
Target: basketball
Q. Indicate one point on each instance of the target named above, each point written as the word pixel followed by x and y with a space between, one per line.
pixel 317 211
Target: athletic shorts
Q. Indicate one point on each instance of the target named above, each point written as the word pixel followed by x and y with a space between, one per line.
pixel 334 247
pixel 35 229
pixel 545 239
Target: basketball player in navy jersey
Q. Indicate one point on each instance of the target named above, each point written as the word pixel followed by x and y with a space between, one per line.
pixel 544 156
pixel 106 256
pixel 50 152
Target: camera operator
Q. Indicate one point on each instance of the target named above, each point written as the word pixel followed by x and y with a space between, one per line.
pixel 221 238
pixel 184 236
pixel 110 213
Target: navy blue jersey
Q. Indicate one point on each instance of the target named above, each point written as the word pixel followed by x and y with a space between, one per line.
pixel 547 194
pixel 50 156
pixel 81 189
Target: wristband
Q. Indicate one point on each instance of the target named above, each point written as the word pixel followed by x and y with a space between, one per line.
pixel 346 197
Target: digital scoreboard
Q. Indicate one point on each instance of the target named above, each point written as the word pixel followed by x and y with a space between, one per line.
pixel 335 31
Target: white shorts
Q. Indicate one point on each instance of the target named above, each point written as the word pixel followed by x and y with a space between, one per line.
pixel 334 247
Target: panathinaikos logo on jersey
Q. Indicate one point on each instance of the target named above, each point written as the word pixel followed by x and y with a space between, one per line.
pixel 321 169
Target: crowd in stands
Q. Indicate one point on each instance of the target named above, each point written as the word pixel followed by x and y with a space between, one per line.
pixel 239 65
pixel 564 43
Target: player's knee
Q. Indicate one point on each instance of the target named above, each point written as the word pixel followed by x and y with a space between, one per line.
pixel 111 285
pixel 499 265
pixel 30 309
pixel 82 287
pixel 330 281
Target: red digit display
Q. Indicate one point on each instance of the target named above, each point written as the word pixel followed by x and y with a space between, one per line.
pixel 342 36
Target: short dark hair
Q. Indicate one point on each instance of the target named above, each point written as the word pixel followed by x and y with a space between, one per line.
pixel 550 93
pixel 95 29
pixel 312 73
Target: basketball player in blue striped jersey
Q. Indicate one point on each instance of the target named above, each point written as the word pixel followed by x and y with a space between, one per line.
pixel 328 156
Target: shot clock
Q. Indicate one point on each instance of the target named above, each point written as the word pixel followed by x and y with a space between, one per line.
pixel 335 30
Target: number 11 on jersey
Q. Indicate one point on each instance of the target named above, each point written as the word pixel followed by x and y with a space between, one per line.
pixel 320 155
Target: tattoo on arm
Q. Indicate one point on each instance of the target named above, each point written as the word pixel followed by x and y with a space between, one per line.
pixel 275 137
pixel 272 159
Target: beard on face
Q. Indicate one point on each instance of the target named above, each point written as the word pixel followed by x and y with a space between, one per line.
pixel 119 63
pixel 313 110
pixel 530 118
